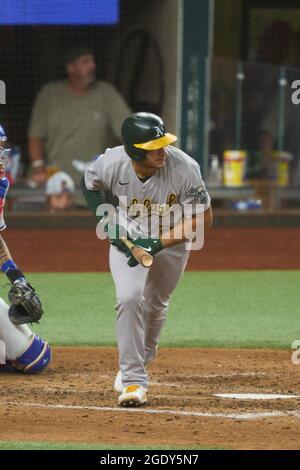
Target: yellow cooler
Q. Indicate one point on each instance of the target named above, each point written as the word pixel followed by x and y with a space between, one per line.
pixel 234 167
pixel 282 167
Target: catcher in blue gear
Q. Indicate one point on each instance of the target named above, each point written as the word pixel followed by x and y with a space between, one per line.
pixel 20 348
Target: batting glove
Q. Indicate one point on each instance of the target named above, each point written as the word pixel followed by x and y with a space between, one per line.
pixel 150 245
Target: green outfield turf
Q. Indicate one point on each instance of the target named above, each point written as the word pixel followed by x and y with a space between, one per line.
pixel 21 445
pixel 208 309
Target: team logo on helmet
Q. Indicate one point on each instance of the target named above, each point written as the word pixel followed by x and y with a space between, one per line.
pixel 159 132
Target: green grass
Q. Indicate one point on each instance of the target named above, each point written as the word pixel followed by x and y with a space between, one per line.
pixel 208 309
pixel 23 445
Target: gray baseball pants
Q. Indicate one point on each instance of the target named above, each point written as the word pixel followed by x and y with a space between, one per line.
pixel 142 301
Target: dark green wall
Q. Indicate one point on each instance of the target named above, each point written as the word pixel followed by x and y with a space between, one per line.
pixel 197 48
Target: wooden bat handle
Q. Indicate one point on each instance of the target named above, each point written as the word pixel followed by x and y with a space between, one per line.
pixel 140 255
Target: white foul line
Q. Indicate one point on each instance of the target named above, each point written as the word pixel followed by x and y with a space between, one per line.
pixel 237 416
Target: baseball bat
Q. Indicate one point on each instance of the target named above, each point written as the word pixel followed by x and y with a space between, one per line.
pixel 140 255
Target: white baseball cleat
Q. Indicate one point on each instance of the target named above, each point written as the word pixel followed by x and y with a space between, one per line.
pixel 118 385
pixel 133 395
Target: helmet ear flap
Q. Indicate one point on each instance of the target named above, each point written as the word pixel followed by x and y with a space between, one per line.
pixel 137 155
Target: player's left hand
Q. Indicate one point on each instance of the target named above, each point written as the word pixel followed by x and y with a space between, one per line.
pixel 26 306
pixel 114 231
pixel 150 245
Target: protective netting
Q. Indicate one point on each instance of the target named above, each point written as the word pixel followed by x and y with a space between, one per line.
pixel 125 50
pixel 257 58
pixel 252 84
pixel 266 31
pixel 254 108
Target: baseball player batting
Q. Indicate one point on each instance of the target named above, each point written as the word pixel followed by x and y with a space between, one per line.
pixel 146 171
pixel 21 350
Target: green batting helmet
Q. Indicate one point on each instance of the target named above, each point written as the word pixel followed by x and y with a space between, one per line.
pixel 142 132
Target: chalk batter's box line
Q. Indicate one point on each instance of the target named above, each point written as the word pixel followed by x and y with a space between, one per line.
pixel 234 416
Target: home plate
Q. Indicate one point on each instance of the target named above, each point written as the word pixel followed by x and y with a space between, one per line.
pixel 255 396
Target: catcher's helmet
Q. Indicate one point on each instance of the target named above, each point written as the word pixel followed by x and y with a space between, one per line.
pixel 3 151
pixel 3 136
pixel 142 132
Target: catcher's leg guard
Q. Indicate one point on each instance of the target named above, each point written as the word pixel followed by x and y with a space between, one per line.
pixel 35 359
pixel 15 338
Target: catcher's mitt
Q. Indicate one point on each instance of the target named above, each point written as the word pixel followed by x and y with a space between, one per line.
pixel 26 306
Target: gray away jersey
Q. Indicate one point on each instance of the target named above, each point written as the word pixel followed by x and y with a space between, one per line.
pixel 178 184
